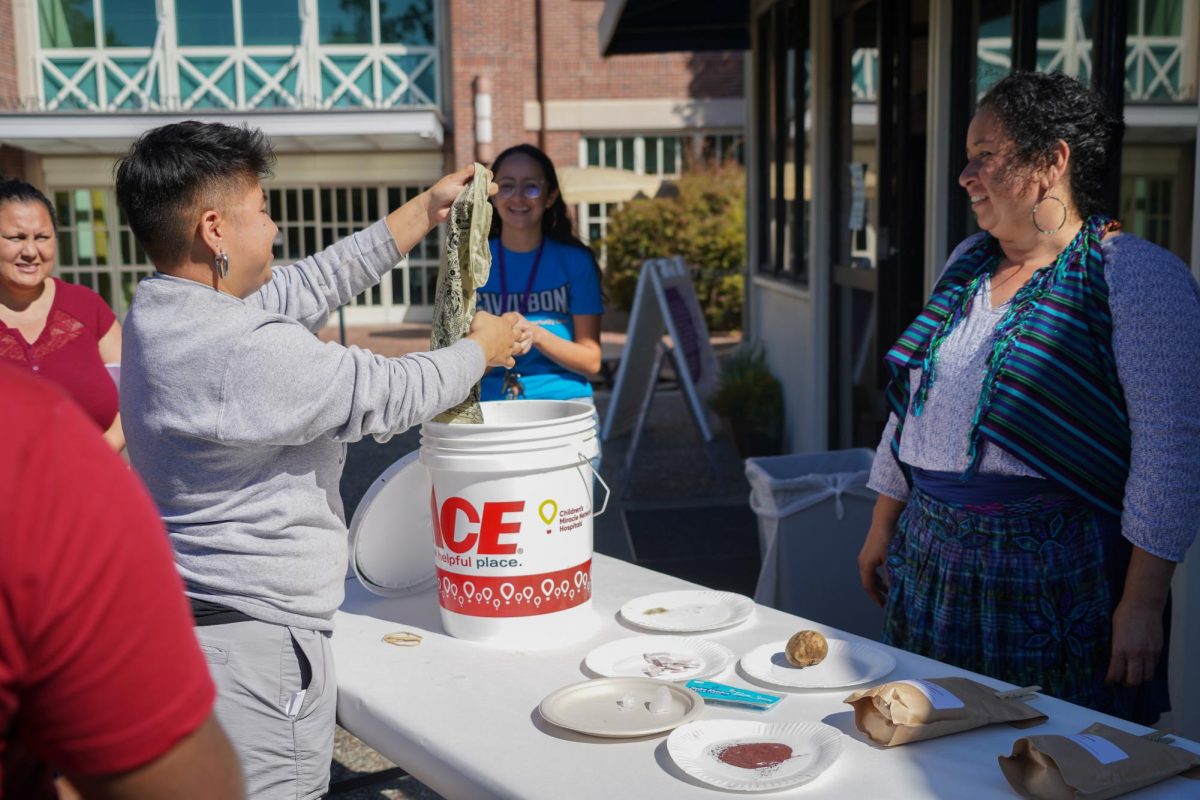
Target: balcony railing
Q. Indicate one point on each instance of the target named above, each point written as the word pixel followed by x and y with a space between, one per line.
pixel 1154 65
pixel 385 76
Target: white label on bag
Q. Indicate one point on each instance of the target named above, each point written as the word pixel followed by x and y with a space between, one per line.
pixel 1100 748
pixel 938 697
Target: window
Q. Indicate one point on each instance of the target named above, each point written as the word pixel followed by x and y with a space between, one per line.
pixel 85 252
pixel 97 249
pixel 406 21
pixel 210 23
pixel 723 148
pixel 73 23
pixel 204 23
pixel 311 218
pixel 645 155
pixel 400 22
pixel 782 76
pixel 1158 67
pixel 593 225
pixel 267 22
pixel 1064 37
pixel 1146 208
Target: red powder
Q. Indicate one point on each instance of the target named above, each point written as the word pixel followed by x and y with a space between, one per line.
pixel 757 755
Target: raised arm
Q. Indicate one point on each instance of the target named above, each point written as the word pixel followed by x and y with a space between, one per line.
pixel 310 290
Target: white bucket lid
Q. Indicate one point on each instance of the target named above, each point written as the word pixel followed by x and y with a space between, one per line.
pixel 391 534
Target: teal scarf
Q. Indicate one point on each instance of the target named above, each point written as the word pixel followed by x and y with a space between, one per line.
pixel 1050 393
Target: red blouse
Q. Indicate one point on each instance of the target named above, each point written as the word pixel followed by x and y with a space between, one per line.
pixel 67 350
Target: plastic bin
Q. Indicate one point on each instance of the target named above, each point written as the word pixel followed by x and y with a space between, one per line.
pixel 814 510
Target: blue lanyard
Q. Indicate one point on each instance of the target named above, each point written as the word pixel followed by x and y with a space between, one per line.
pixel 537 259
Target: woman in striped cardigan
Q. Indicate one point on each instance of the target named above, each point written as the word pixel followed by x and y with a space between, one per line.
pixel 1038 475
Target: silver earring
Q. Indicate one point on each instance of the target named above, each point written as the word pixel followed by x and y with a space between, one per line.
pixel 221 264
pixel 1056 228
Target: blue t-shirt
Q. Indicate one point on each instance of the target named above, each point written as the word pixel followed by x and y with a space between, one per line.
pixel 566 283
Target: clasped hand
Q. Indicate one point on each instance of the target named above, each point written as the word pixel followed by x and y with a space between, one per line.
pixel 502 338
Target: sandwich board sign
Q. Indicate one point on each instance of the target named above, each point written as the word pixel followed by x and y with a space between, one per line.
pixel 664 302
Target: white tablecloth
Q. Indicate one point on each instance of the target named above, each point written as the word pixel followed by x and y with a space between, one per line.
pixel 462 717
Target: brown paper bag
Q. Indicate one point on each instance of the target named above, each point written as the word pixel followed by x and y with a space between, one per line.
pixel 900 712
pixel 1100 762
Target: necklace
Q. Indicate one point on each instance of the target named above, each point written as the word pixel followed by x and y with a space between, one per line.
pixel 1008 277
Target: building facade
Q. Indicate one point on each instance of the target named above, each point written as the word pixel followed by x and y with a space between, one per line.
pixel 367 102
pixel 856 127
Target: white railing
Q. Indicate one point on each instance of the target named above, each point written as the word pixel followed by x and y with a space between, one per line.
pixel 242 79
pixel 305 76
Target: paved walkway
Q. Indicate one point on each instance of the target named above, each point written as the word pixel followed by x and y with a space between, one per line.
pixel 672 471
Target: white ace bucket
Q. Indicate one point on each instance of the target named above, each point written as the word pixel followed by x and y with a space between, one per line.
pixel 511 507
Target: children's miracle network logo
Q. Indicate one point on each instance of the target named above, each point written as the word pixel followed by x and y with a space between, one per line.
pixel 548 510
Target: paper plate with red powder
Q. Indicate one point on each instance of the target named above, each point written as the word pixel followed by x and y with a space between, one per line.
pixel 749 756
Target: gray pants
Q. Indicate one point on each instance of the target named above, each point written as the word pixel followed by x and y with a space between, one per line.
pixel 277 700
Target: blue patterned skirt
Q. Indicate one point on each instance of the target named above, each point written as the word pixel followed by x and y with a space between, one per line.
pixel 1015 579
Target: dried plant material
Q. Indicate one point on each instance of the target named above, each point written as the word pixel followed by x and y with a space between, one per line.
pixel 466 263
pixel 806 649
pixel 402 638
pixel 899 712
pixel 656 610
pixel 1097 763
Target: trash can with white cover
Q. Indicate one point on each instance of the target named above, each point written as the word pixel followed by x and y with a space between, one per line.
pixel 814 510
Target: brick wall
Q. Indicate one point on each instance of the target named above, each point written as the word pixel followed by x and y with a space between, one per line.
pixel 12 162
pixel 8 58
pixel 497 38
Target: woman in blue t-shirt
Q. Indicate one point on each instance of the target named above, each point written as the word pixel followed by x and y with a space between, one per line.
pixel 541 270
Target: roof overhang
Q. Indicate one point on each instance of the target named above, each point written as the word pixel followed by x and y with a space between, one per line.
pixel 662 26
pixel 71 133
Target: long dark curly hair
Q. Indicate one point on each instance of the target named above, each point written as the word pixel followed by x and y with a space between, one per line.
pixel 1037 109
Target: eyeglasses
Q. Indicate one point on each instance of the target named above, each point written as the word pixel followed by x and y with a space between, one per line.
pixel 531 190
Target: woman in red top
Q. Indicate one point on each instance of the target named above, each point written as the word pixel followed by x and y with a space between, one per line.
pixel 55 329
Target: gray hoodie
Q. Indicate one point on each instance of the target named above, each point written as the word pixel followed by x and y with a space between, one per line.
pixel 236 418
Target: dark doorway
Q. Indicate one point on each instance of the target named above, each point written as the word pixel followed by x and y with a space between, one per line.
pixel 880 52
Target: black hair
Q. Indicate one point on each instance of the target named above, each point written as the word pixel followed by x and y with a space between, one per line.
pixel 556 224
pixel 170 170
pixel 1037 109
pixel 14 190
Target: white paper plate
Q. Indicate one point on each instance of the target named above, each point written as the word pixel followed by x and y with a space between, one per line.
pixel 687 610
pixel 652 657
pixel 594 707
pixel 847 664
pixel 696 747
pixel 391 534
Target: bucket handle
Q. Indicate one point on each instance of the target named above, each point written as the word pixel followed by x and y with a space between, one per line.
pixel 583 460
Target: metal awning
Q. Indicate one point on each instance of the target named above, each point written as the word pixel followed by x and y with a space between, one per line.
pixel 661 26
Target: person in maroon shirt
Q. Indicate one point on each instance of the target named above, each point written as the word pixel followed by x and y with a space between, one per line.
pixel 101 675
pixel 52 328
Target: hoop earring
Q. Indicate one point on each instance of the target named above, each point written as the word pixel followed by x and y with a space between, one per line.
pixel 1056 228
pixel 221 264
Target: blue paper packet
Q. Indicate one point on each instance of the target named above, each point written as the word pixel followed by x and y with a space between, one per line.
pixel 715 692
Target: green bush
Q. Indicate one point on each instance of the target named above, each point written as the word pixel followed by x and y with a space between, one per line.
pixel 750 399
pixel 705 222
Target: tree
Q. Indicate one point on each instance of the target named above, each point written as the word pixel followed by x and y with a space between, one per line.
pixel 705 222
